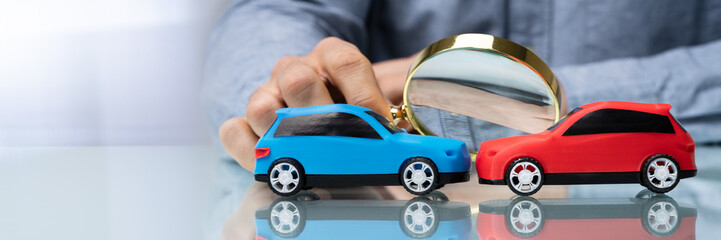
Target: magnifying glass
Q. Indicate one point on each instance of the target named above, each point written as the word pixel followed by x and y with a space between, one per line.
pixel 477 87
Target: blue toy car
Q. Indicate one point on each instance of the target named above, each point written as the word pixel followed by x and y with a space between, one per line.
pixel 347 145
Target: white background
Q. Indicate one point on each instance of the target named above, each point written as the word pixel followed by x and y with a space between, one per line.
pixel 89 72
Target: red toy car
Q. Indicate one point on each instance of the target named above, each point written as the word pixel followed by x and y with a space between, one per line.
pixel 603 142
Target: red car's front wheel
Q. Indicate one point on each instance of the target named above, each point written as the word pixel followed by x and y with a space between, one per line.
pixel 524 176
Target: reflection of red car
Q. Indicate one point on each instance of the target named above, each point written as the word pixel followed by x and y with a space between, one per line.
pixel 657 217
pixel 603 142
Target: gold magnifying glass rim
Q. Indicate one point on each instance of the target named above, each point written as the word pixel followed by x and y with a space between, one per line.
pixel 488 43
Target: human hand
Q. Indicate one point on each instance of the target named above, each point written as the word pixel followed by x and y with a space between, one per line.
pixel 391 76
pixel 334 72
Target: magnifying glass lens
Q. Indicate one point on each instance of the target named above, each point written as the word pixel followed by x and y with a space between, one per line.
pixel 476 93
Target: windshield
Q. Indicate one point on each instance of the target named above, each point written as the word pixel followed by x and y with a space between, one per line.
pixel 563 119
pixel 383 121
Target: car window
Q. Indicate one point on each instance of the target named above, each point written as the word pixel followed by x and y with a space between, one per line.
pixel 554 126
pixel 383 121
pixel 326 124
pixel 620 121
pixel 679 123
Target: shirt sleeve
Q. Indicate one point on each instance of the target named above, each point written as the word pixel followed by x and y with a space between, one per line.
pixel 253 35
pixel 688 78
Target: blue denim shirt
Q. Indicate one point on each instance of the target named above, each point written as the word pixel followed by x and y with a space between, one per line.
pixel 641 51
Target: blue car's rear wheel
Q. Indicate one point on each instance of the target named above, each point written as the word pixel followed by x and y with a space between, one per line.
pixel 419 176
pixel 286 177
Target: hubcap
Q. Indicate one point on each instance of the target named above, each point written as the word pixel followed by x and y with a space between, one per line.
pixel 285 217
pixel 419 217
pixel 525 177
pixel 662 173
pixel 418 177
pixel 284 177
pixel 525 217
pixel 662 217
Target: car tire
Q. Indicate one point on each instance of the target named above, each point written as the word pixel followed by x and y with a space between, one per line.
pixel 287 217
pixel 525 172
pixel 419 218
pixel 286 177
pixel 419 176
pixel 660 173
pixel 525 217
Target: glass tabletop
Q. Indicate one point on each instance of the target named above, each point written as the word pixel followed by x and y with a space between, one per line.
pixel 473 211
pixel 184 192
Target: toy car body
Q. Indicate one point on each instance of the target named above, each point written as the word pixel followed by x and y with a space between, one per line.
pixel 603 142
pixel 346 145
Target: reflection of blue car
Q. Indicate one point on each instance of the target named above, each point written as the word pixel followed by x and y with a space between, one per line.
pixel 419 218
pixel 346 145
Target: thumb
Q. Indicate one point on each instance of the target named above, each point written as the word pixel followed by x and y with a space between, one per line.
pixel 239 140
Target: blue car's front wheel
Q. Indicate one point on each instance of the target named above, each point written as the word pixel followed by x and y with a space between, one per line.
pixel 419 176
pixel 286 177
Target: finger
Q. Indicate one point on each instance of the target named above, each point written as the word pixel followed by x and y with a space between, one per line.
pixel 239 140
pixel 301 86
pixel 261 108
pixel 351 72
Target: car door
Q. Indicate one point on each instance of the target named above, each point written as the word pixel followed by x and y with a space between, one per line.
pixel 355 147
pixel 591 144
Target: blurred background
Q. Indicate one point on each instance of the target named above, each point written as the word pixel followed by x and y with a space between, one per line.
pixel 102 135
pixel 88 72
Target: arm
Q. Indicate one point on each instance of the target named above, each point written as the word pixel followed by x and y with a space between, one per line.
pixel 688 78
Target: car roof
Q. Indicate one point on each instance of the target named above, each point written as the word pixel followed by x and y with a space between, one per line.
pixel 657 108
pixel 302 111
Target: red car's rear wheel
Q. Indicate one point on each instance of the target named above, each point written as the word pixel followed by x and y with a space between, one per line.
pixel 660 173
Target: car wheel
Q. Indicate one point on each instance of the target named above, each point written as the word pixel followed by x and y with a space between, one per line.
pixel 660 173
pixel 524 176
pixel 661 216
pixel 287 218
pixel 286 177
pixel 419 176
pixel 419 218
pixel 524 217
